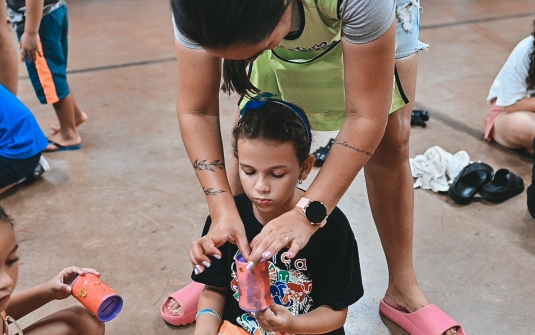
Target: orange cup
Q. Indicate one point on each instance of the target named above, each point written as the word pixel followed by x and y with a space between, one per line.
pixel 253 286
pixel 97 297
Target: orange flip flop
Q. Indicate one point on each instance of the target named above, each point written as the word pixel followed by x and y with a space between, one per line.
pixel 187 298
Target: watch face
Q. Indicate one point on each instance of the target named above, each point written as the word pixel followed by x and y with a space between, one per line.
pixel 316 212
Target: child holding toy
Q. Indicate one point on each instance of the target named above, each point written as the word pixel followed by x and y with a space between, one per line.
pixel 311 291
pixel 74 320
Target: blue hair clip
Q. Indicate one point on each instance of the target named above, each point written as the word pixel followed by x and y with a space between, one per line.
pixel 260 100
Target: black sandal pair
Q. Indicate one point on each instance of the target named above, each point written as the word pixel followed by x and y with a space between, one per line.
pixel 480 177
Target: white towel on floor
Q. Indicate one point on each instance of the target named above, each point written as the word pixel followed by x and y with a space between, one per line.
pixel 436 168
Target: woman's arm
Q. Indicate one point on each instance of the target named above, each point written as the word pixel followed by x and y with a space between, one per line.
pixel 211 298
pixel 320 321
pixel 369 75
pixel 523 105
pixel 199 76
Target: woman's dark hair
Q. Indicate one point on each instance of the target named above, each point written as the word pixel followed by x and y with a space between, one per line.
pixel 274 122
pixel 530 80
pixel 216 24
pixel 4 217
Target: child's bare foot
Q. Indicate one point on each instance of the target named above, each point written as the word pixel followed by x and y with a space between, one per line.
pixel 79 118
pixel 173 307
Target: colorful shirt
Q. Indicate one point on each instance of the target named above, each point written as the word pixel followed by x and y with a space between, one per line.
pixel 17 11
pixel 325 272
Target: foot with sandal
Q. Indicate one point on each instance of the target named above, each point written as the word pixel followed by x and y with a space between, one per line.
pixel 66 138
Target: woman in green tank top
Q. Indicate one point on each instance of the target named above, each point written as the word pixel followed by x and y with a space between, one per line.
pixel 299 52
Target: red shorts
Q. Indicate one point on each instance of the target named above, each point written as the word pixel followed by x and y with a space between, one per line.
pixel 494 111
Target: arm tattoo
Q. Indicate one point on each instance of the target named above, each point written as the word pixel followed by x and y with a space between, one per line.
pixel 211 191
pixel 347 145
pixel 204 165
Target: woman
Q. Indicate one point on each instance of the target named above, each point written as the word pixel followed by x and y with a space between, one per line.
pixel 357 95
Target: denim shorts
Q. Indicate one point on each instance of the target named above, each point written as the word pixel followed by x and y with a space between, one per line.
pixel 408 28
pixel 13 170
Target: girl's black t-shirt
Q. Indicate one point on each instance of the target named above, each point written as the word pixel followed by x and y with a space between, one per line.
pixel 325 272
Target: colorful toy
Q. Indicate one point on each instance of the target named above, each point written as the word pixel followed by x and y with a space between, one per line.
pixel 253 286
pixel 97 297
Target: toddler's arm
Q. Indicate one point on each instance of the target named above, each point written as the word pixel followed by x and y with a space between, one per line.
pixel 320 321
pixel 58 288
pixel 211 298
pixel 29 41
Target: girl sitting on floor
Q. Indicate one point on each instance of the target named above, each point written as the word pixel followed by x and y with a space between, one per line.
pixel 75 320
pixel 311 291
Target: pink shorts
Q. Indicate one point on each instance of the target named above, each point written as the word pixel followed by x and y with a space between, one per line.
pixel 494 111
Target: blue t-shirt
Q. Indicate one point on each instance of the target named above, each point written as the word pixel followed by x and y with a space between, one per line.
pixel 20 134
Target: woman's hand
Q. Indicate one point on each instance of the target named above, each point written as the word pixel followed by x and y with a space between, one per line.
pixel 275 318
pixel 292 229
pixel 29 47
pixel 60 286
pixel 224 230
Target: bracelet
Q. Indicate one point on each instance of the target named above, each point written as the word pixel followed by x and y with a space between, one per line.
pixel 208 311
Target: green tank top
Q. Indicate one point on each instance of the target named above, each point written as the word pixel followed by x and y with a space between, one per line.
pixel 308 70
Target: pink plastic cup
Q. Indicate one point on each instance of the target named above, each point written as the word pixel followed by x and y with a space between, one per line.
pixel 253 286
pixel 97 297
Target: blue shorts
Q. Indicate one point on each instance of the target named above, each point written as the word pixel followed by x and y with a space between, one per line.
pixel 49 73
pixel 14 170
pixel 408 28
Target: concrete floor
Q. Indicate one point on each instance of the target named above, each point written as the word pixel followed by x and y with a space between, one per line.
pixel 128 203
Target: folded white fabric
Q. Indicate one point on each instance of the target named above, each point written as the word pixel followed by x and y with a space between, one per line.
pixel 436 168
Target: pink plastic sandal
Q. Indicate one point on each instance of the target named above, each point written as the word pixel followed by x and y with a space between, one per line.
pixel 187 298
pixel 429 320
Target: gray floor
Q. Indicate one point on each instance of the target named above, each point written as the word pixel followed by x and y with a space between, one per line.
pixel 129 204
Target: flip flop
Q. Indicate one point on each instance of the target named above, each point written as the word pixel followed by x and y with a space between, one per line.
pixel 469 181
pixel 60 147
pixel 187 298
pixel 430 320
pixel 505 185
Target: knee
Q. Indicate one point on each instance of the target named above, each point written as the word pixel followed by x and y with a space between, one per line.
pixel 394 147
pixel 84 322
pixel 519 128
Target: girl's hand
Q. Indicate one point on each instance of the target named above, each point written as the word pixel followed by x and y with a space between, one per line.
pixel 30 46
pixel 60 285
pixel 292 229
pixel 275 318
pixel 199 251
pixel 221 231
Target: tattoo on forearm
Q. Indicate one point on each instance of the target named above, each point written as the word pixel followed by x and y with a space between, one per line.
pixel 347 145
pixel 204 165
pixel 211 191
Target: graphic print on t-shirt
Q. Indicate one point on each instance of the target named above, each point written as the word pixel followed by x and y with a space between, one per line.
pixel 290 287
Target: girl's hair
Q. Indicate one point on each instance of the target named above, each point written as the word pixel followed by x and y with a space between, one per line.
pixel 4 217
pixel 275 122
pixel 530 80
pixel 216 24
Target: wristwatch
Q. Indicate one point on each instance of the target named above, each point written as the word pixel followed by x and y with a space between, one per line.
pixel 315 211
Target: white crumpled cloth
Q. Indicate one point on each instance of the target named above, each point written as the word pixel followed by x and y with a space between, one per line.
pixel 436 168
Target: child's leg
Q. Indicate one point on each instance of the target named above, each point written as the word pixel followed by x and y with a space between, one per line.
pixel 75 320
pixel 79 116
pixel 515 130
pixel 8 54
pixel 67 134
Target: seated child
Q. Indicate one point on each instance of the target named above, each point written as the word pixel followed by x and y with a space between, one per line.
pixel 21 142
pixel 311 291
pixel 76 320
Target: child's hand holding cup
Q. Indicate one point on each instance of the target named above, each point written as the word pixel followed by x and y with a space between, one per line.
pixel 100 299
